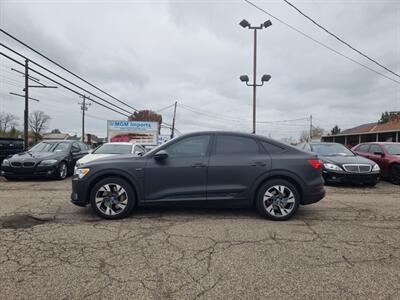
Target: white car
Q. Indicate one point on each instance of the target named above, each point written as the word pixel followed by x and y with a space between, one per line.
pixel 111 149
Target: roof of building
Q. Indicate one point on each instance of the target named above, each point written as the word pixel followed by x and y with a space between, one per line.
pixel 55 136
pixel 372 128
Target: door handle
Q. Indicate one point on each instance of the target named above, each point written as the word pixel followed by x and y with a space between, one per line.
pixel 258 164
pixel 198 165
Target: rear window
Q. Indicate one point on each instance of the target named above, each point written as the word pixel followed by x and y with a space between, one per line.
pixel 271 148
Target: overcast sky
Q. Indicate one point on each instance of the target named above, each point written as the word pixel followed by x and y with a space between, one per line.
pixel 151 53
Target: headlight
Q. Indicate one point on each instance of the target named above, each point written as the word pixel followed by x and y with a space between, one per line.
pixel 48 162
pixel 81 172
pixel 332 167
pixel 376 168
pixel 6 162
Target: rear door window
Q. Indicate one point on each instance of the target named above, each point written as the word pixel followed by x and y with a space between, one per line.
pixel 230 144
pixel 375 148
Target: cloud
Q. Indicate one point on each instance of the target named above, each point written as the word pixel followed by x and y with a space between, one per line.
pixel 151 54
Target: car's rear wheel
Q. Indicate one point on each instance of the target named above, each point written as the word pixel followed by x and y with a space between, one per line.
pixel 278 200
pixel 394 174
pixel 62 170
pixel 112 198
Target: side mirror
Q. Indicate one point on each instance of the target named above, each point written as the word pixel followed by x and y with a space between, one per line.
pixel 139 153
pixel 379 153
pixel 161 155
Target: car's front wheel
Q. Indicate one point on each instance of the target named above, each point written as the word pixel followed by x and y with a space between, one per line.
pixel 394 174
pixel 112 198
pixel 62 171
pixel 278 200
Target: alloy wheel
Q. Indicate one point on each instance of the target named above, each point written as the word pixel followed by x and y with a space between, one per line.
pixel 111 199
pixel 62 170
pixel 279 200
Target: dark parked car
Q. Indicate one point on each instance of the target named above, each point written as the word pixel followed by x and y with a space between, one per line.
pixel 341 165
pixel 386 155
pixel 10 146
pixel 46 159
pixel 205 167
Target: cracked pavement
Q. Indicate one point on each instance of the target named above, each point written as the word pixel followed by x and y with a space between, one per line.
pixel 346 246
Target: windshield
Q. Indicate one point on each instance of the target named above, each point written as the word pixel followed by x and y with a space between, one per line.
pixel 331 150
pixel 50 147
pixel 393 149
pixel 113 149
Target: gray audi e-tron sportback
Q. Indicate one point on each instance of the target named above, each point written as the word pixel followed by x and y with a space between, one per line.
pixel 203 168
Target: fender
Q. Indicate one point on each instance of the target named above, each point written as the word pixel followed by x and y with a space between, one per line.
pixel 117 173
pixel 273 174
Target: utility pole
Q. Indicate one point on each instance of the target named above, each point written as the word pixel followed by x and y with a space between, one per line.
pixel 173 121
pixel 310 128
pixel 26 111
pixel 27 98
pixel 84 108
pixel 264 78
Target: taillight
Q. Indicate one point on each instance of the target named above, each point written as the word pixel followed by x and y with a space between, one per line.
pixel 315 163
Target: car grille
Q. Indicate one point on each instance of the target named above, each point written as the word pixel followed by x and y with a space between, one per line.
pixel 25 164
pixel 16 164
pixel 357 168
pixel 28 164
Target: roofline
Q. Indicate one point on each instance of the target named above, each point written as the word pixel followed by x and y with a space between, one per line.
pixel 362 133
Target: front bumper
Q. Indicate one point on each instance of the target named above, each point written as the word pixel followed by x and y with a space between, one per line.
pixel 79 195
pixel 346 177
pixel 25 172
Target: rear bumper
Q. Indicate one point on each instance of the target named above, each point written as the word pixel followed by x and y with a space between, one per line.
pixel 343 177
pixel 313 194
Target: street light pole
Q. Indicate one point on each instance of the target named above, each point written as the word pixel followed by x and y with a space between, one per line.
pixel 264 78
pixel 254 80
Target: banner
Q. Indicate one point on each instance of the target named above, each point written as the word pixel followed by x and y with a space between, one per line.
pixel 144 133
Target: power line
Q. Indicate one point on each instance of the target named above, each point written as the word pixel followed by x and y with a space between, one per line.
pixel 221 117
pixel 66 80
pixel 341 40
pixel 60 84
pixel 65 69
pixel 321 44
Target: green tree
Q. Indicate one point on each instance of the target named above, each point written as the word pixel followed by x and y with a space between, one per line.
pixel 335 130
pixel 147 116
pixel 384 118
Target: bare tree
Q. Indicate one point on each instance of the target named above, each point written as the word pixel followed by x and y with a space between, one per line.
pixel 7 121
pixel 148 116
pixel 38 122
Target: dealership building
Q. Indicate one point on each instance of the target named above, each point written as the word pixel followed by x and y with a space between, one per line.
pixel 370 132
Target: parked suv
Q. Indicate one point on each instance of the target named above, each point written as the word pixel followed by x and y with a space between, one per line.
pixel 386 155
pixel 205 167
pixel 10 146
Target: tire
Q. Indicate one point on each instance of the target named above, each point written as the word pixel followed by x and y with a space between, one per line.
pixel 62 171
pixel 114 207
pixel 274 207
pixel 394 174
pixel 371 184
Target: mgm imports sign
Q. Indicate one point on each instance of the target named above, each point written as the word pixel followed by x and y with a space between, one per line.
pixel 144 133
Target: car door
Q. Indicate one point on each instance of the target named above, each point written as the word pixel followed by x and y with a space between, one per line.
pixel 362 150
pixel 76 153
pixel 235 164
pixel 377 154
pixel 182 175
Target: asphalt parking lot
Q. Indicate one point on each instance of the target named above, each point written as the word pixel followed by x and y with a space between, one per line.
pixel 347 246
